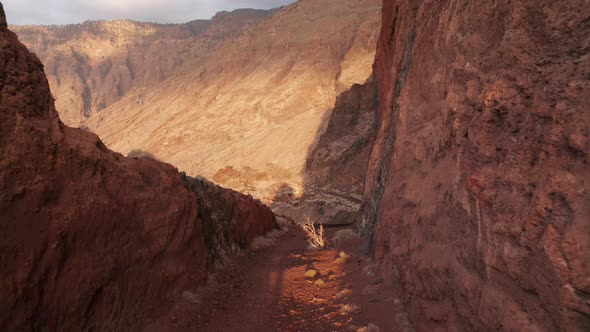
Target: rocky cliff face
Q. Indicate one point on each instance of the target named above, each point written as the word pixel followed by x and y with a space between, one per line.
pixel 232 219
pixel 255 105
pixel 93 65
pixel 339 159
pixel 477 192
pixel 90 239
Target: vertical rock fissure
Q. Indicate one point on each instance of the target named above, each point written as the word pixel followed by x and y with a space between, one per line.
pixel 369 216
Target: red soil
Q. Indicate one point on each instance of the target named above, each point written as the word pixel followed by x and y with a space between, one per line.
pixel 266 290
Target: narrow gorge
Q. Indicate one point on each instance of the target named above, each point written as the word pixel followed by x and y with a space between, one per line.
pixel 442 146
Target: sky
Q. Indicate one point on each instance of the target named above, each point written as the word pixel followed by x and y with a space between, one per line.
pixel 161 11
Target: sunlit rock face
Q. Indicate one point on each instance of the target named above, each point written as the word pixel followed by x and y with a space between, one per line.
pixel 477 196
pixel 254 97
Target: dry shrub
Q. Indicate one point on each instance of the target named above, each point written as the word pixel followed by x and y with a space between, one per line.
pixel 315 236
pixel 348 309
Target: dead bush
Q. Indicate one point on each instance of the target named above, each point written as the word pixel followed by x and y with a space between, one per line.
pixel 315 236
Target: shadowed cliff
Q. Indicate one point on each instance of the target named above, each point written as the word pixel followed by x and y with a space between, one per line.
pixel 89 239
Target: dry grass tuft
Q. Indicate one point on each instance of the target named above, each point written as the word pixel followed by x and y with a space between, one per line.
pixel 315 237
pixel 343 293
pixel 347 309
pixel 369 328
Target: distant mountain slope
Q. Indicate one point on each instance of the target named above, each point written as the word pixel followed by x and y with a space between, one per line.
pixel 259 101
pixel 91 66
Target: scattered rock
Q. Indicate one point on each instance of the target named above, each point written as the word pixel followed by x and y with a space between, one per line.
pixel 344 234
pixel 342 258
pixel 310 273
pixel 190 297
pixel 371 290
pixel 343 293
pixel 262 242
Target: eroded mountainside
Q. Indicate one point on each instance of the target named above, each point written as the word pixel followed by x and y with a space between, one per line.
pixel 258 102
pixel 477 192
pixel 89 239
pixel 241 99
pixel 93 65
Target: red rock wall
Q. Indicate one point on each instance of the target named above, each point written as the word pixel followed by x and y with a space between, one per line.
pixel 231 219
pixel 477 196
pixel 90 239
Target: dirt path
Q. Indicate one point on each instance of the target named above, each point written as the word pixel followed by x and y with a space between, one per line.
pixel 268 290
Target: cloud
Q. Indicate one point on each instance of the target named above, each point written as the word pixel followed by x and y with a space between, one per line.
pixel 163 11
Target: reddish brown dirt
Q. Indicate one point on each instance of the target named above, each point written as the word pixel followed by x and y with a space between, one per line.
pixel 266 290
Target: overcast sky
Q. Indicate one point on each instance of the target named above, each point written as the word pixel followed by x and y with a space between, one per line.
pixel 163 11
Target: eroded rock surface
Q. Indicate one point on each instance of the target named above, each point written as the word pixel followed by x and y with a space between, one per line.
pixel 233 219
pixel 339 159
pixel 90 239
pixel 477 193
pixel 337 163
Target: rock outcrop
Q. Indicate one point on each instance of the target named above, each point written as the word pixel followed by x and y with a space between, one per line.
pixel 89 239
pixel 232 220
pixel 340 157
pixel 477 193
